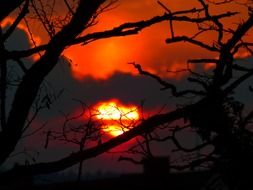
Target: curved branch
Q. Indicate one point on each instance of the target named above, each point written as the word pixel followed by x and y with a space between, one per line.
pixel 243 44
pixel 166 85
pixel 131 28
pixel 74 158
pixel 239 33
pixel 203 60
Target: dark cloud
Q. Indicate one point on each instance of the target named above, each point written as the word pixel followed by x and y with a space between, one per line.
pixel 127 88
pixel 242 92
pixel 17 41
pixel 124 87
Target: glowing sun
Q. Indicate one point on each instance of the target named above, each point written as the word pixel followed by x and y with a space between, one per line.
pixel 117 118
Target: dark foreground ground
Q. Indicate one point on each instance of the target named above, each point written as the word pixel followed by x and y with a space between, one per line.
pixel 173 181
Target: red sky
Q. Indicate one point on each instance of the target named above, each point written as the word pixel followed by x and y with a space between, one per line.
pixel 111 55
pixel 103 58
pixel 148 48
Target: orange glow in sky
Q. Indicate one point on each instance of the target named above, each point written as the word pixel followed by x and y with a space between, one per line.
pixel 117 117
pixel 100 59
pixel 103 58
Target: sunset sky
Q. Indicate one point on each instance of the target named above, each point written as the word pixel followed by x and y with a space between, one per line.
pixel 99 72
pixel 147 48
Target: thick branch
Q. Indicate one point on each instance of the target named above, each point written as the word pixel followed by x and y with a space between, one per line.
pixel 74 158
pixel 202 60
pixel 239 33
pixel 131 28
pixel 29 87
pixel 243 44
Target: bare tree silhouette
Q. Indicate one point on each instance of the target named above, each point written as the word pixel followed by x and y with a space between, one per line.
pixel 216 115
